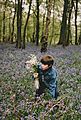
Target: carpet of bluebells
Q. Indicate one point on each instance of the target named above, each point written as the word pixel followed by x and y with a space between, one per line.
pixel 17 88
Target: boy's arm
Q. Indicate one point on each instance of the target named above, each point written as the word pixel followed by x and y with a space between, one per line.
pixel 53 77
pixel 53 85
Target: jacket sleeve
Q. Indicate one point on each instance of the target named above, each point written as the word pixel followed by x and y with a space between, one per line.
pixel 53 84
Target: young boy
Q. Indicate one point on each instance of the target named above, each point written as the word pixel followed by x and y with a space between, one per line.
pixel 47 77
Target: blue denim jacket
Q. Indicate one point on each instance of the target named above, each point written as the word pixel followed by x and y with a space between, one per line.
pixel 49 78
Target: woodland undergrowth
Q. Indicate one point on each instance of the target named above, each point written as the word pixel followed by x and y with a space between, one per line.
pixel 17 88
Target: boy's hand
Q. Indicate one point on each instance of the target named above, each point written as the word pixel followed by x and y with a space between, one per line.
pixel 36 83
pixel 36 80
pixel 35 75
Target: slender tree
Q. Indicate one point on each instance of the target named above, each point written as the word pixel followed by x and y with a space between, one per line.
pixel 69 22
pixel 37 22
pixel 79 40
pixel 19 23
pixel 9 36
pixel 52 34
pixel 44 40
pixel 12 33
pixel 43 22
pixel 49 5
pixel 0 22
pixel 76 9
pixel 5 2
pixel 34 29
pixel 63 30
pixel 24 33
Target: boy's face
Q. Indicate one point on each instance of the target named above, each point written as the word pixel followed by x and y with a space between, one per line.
pixel 44 67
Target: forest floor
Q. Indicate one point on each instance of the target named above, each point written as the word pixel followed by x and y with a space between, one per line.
pixel 17 89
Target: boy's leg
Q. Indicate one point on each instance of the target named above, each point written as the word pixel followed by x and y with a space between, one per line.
pixel 40 90
pixel 56 93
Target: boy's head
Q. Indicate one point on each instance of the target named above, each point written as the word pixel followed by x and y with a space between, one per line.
pixel 47 61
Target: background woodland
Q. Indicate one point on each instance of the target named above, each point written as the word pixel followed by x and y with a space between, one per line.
pixel 25 27
pixel 42 22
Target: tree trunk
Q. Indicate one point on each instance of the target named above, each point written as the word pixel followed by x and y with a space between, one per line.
pixel 69 18
pixel 0 24
pixel 34 29
pixel 76 43
pixel 12 33
pixel 24 34
pixel 49 4
pixel 43 22
pixel 4 20
pixel 63 31
pixel 52 35
pixel 44 41
pixel 79 40
pixel 37 23
pixel 19 24
pixel 9 36
pixel 4 25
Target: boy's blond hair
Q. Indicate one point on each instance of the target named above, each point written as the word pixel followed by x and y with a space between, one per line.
pixel 47 59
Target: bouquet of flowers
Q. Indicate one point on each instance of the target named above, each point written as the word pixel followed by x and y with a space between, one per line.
pixel 31 66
